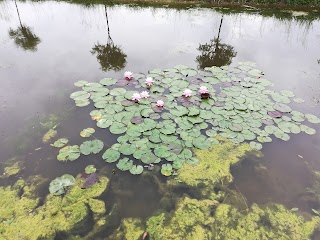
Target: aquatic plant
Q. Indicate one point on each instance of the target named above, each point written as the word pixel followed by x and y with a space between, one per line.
pixel 87 132
pixel 49 135
pixel 12 170
pixel 149 81
pixel 187 93
pixel 68 214
pixel 160 103
pixel 128 75
pixel 144 94
pixel 136 97
pixel 273 222
pixel 192 219
pixel 90 180
pixel 59 184
pixel 90 169
pixel 60 142
pixel 168 128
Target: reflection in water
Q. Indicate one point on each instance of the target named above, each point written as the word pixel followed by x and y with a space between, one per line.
pixel 110 56
pixel 23 36
pixel 215 53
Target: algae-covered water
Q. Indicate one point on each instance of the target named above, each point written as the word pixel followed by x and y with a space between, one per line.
pixel 229 191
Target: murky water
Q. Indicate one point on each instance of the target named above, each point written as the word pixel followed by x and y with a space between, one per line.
pixel 65 42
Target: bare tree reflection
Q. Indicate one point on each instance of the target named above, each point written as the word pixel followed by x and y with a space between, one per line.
pixel 110 56
pixel 23 36
pixel 215 53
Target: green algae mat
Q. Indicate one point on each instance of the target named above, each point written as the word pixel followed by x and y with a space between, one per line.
pixel 161 116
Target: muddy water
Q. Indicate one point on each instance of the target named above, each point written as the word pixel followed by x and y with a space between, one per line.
pixel 37 77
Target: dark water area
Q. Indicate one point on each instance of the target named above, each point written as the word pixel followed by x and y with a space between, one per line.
pixel 66 44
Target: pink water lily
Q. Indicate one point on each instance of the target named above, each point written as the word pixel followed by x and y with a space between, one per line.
pixel 203 90
pixel 149 81
pixel 128 75
pixel 160 103
pixel 136 97
pixel 144 94
pixel 187 93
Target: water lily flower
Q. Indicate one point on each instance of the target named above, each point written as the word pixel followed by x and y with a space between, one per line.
pixel 136 97
pixel 128 75
pixel 160 103
pixel 144 94
pixel 203 90
pixel 187 93
pixel 149 81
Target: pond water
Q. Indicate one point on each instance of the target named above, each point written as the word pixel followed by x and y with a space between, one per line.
pixel 37 78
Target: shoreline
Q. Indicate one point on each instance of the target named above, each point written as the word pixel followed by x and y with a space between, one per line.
pixel 245 6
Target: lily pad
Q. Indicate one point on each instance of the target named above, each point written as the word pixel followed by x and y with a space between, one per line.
pixel 166 170
pixel 111 155
pixel 59 184
pixel 256 146
pixel 162 151
pixel 90 169
pixel 60 142
pixel 87 132
pixel 93 146
pixel 69 153
pixel 125 164
pixel 118 128
pixel 136 169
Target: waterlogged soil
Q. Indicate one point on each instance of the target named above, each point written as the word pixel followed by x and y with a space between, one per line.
pixel 37 77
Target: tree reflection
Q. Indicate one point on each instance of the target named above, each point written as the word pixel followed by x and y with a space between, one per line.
pixel 23 36
pixel 110 56
pixel 215 53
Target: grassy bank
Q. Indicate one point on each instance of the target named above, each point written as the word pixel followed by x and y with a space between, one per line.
pixel 301 5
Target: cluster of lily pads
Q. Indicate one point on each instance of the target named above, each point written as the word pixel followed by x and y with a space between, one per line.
pixel 239 108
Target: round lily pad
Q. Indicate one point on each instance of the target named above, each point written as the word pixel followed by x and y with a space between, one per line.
pixel 69 153
pixel 136 169
pixel 124 164
pixel 90 169
pixel 256 146
pixel 162 151
pixel 93 146
pixel 117 128
pixel 111 155
pixel 166 169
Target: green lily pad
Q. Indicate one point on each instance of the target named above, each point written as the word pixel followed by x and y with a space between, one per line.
pixel 80 83
pixel 59 184
pixel 282 107
pixel 201 143
pixel 312 118
pixel 111 155
pixel 125 164
pixel 69 153
pixel 166 170
pixel 118 128
pixel 87 132
pixel 93 146
pixel 90 169
pixel 256 146
pixel 104 123
pixel 162 151
pixel 127 149
pixel 60 142
pixel 108 81
pixel 136 169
